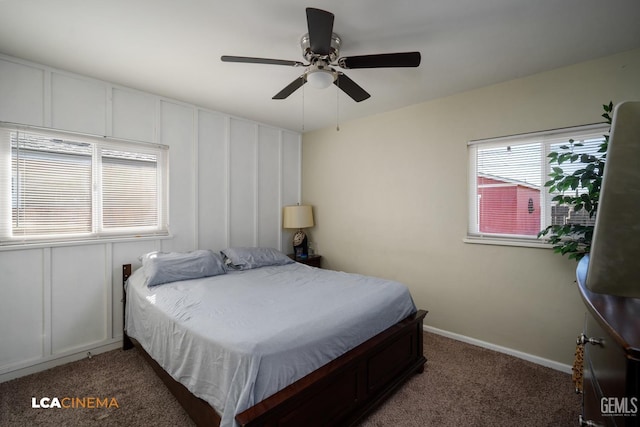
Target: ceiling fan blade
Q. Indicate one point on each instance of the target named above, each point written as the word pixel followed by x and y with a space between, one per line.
pixel 384 60
pixel 292 87
pixel 320 24
pixel 351 88
pixel 250 60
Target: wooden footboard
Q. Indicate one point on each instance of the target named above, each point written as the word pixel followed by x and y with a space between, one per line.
pixel 339 393
pixel 346 389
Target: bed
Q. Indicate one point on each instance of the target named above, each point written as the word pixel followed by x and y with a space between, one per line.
pixel 275 343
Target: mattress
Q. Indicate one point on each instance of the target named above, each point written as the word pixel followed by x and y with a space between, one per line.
pixel 237 338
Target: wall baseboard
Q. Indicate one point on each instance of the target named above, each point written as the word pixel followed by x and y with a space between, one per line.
pixel 519 354
pixel 53 361
pixel 48 364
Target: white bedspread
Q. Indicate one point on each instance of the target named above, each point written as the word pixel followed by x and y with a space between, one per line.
pixel 235 339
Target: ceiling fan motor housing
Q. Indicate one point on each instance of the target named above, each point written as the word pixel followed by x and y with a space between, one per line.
pixel 313 57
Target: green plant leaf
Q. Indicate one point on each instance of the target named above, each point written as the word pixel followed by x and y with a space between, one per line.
pixel 588 206
pixel 574 240
pixel 574 183
pixel 564 157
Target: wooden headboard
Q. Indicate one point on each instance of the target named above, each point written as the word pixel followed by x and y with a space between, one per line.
pixel 126 273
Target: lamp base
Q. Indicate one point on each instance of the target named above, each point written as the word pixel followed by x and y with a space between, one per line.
pixel 300 245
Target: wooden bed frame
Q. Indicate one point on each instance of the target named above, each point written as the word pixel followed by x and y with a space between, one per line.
pixel 340 393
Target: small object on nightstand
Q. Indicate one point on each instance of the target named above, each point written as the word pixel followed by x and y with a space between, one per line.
pixel 311 260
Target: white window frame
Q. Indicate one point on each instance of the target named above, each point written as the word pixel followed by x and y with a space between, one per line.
pixel 97 233
pixel 546 138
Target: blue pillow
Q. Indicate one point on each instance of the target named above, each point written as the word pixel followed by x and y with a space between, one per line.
pixel 248 258
pixel 162 267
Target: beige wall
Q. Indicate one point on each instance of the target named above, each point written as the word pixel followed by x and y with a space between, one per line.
pixel 390 199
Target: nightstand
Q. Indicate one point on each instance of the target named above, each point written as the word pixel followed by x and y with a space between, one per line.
pixel 312 260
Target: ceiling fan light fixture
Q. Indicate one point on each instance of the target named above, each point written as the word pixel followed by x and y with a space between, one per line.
pixel 320 79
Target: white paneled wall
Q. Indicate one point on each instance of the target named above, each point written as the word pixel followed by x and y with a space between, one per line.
pixel 23 85
pixel 133 115
pixel 22 298
pixel 78 104
pixel 79 297
pixel 176 130
pixel 229 179
pixel 243 160
pixel 268 188
pixel 213 182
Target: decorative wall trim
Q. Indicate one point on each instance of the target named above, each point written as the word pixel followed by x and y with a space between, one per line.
pixel 227 182
pixel 28 367
pixel 281 184
pixel 47 326
pixel 122 113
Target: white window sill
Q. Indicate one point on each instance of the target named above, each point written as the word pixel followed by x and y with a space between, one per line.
pixel 80 242
pixel 508 242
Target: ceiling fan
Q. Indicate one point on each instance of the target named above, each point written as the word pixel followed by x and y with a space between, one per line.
pixel 321 48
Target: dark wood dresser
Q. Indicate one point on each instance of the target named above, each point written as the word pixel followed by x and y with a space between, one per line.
pixel 611 338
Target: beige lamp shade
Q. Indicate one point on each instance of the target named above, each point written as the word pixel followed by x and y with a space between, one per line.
pixel 297 217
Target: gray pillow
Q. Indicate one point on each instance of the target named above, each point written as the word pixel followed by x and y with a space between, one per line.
pixel 248 258
pixel 162 267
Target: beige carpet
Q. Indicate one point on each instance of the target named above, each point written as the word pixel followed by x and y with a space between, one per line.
pixel 465 385
pixel 462 385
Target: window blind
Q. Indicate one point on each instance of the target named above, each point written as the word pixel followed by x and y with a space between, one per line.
pixel 129 190
pixel 58 186
pixel 51 185
pixel 508 199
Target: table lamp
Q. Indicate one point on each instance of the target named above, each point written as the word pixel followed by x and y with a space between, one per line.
pixel 298 217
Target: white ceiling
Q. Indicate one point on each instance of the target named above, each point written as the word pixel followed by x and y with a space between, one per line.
pixel 173 47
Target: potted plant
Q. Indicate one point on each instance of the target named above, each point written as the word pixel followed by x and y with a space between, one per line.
pixel 579 190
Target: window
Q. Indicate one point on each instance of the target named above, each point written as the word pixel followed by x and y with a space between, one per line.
pixel 57 186
pixel 508 200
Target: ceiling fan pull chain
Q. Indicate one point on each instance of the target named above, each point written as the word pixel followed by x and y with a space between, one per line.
pixel 338 105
